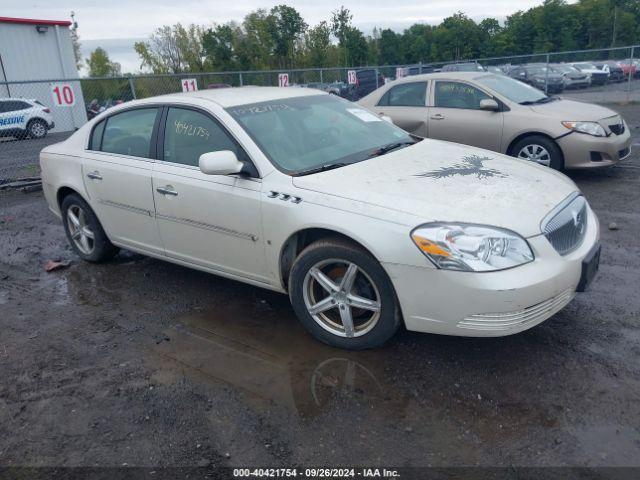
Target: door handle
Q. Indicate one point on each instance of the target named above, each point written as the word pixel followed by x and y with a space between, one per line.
pixel 94 175
pixel 167 190
pixel 437 116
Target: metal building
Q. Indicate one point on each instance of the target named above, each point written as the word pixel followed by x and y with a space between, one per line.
pixel 42 50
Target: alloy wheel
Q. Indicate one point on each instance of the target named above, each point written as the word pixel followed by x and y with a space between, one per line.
pixel 341 298
pixel 82 236
pixel 37 130
pixel 535 153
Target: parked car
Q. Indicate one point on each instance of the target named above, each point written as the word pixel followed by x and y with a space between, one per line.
pixel 417 70
pixel 613 68
pixel 573 78
pixel 362 225
pixel 538 76
pixel 366 83
pixel 217 85
pixel 501 114
pixel 463 67
pixel 598 77
pixel 629 66
pixel 494 69
pixel 24 118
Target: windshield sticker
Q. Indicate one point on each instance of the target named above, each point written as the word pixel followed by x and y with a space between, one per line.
pixel 364 115
pixel 471 165
pixel 191 130
pixel 254 110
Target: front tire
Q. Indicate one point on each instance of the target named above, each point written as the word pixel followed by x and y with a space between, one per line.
pixel 37 129
pixel 539 149
pixel 343 296
pixel 84 232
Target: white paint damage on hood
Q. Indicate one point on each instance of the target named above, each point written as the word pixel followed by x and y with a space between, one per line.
pixel 442 181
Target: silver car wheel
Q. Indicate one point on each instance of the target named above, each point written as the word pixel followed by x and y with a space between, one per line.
pixel 82 236
pixel 341 298
pixel 37 130
pixel 535 153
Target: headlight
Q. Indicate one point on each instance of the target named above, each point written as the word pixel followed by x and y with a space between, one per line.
pixel 590 128
pixel 471 248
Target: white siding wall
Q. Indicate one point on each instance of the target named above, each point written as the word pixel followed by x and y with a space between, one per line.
pixel 29 55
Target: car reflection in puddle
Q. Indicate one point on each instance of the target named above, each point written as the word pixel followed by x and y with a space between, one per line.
pixel 261 349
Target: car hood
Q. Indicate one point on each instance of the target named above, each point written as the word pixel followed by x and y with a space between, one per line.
pixel 572 110
pixel 442 181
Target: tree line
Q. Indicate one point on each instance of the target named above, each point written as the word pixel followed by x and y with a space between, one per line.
pixel 280 38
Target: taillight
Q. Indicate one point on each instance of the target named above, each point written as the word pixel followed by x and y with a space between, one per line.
pixel 46 110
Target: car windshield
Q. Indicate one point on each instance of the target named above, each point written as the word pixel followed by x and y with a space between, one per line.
pixel 536 70
pixel 306 134
pixel 511 89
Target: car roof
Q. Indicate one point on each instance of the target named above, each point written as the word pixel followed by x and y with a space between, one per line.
pixel 443 75
pixel 234 96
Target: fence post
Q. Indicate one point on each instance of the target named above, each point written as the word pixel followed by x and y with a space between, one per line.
pixel 321 81
pixel 132 87
pixel 630 75
pixel 546 77
pixel 377 79
pixel 240 79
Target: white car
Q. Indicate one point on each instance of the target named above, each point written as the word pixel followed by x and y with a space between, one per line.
pixel 21 118
pixel 304 193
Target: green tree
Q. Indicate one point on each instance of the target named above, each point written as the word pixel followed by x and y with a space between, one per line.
pixel 318 43
pixel 285 26
pixel 99 64
pixel 340 26
pixel 173 49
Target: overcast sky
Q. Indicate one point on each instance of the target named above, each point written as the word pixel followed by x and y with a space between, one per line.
pixel 100 19
pixel 116 24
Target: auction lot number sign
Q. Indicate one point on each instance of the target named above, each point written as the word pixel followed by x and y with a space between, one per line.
pixel 62 95
pixel 283 79
pixel 189 85
pixel 351 77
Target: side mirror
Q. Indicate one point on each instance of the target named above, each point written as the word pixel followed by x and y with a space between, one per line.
pixel 489 104
pixel 223 162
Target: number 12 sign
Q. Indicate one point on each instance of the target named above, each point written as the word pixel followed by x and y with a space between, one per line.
pixel 189 85
pixel 283 79
pixel 62 95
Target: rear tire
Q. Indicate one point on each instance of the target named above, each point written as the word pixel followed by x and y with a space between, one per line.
pixel 343 296
pixel 539 149
pixel 37 128
pixel 84 232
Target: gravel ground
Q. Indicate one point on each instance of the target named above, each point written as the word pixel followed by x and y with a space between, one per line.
pixel 145 363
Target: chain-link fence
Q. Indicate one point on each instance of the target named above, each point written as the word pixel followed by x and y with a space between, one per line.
pixel 55 108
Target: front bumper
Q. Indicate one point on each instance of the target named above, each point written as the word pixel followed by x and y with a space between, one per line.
pixel 494 303
pixel 586 151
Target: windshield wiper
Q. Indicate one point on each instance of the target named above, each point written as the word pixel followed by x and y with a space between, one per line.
pixel 322 168
pixel 539 101
pixel 387 148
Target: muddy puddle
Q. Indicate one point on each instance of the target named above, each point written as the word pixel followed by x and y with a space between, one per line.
pixel 260 348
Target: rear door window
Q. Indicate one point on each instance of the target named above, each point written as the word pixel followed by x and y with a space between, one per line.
pixel 130 132
pixel 405 95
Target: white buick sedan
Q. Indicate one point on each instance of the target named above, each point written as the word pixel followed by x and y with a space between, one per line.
pixel 364 226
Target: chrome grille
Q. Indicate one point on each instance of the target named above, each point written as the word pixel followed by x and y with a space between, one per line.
pixel 618 128
pixel 520 319
pixel 566 225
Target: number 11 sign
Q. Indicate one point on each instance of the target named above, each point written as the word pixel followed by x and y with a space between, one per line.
pixel 189 85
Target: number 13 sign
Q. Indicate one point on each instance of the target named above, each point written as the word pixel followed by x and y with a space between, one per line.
pixel 189 85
